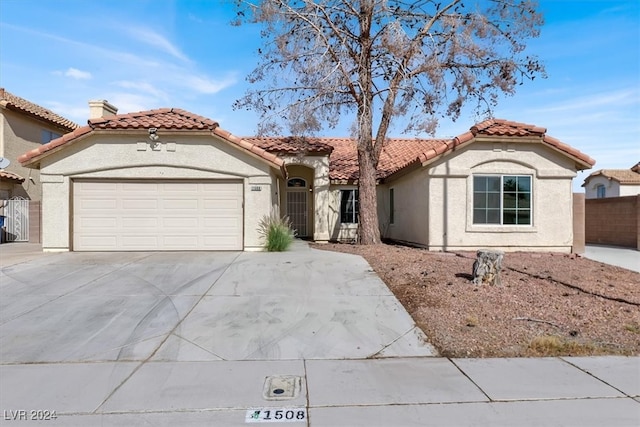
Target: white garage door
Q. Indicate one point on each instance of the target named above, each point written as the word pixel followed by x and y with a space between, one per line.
pixel 157 215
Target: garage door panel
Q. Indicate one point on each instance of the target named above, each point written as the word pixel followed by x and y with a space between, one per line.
pixel 183 187
pixel 100 187
pixel 141 204
pixel 136 187
pixel 135 242
pixel 99 204
pixel 228 223
pixel 154 215
pixel 173 223
pixel 180 204
pixel 96 223
pixel 95 242
pixel 225 244
pixel 134 223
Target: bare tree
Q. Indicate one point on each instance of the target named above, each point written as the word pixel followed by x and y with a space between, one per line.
pixel 384 59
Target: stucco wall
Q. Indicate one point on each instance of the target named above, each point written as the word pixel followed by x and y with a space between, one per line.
pixel 445 190
pixel 411 208
pixel 125 156
pixel 612 187
pixel 629 190
pixel 21 133
pixel 339 231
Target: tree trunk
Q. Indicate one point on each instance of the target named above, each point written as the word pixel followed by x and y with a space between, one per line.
pixel 368 229
pixel 487 266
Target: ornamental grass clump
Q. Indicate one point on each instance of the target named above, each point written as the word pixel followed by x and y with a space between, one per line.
pixel 276 231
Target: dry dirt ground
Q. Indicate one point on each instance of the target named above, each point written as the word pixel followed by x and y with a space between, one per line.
pixel 548 304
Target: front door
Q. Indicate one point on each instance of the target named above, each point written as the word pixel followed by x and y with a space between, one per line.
pixel 297 193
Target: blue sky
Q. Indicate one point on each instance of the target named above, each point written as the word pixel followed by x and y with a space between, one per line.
pixel 145 54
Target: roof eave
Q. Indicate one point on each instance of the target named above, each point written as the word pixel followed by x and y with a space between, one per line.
pixel 9 106
pixel 251 149
pixel 32 159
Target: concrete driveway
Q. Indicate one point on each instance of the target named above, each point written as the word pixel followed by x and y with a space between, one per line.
pixel 222 339
pixel 194 306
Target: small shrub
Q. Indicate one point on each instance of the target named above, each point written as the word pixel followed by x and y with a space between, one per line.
pixel 472 321
pixel 633 327
pixel 276 231
pixel 553 345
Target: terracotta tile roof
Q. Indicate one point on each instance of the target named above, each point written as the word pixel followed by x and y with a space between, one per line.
pixel 9 176
pixel 501 127
pixel 623 176
pixel 343 155
pixel 163 118
pixel 13 102
pixel 291 144
pixel 506 128
pixel 173 119
pixel 399 153
pixel 396 154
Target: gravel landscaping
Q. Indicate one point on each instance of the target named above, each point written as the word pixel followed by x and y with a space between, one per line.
pixel 549 304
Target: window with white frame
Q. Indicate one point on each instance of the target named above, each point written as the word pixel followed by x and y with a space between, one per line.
pixel 601 191
pixel 502 200
pixel 349 206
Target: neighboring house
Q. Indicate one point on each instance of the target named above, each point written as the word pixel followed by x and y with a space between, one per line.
pixel 25 126
pixel 613 183
pixel 168 179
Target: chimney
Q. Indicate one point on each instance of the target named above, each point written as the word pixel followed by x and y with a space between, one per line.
pixel 101 108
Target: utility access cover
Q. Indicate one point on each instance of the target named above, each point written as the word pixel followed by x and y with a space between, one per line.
pixel 282 387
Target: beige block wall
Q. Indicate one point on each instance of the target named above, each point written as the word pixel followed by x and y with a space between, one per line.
pixel 131 157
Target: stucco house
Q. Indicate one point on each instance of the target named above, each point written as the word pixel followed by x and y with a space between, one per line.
pixel 168 179
pixel 605 183
pixel 24 126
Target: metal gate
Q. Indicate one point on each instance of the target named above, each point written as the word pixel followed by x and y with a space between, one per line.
pixel 16 222
pixel 297 211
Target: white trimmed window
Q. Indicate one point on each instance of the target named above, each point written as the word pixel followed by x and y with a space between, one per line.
pixel 502 199
pixel 349 206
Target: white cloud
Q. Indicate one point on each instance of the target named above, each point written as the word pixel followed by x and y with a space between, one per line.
pixel 78 114
pixel 74 73
pixel 207 86
pixel 129 102
pixel 144 87
pixel 613 99
pixel 154 39
pixel 93 49
pixel 195 18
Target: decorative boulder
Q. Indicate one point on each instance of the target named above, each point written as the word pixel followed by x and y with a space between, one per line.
pixel 486 268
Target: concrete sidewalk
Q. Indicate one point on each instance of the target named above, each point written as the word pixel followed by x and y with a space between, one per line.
pixel 395 392
pixel 622 257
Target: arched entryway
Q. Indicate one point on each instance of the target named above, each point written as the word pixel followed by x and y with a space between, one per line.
pixel 298 199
